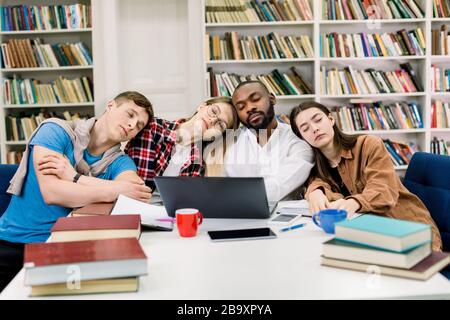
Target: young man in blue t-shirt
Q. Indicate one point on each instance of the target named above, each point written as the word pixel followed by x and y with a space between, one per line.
pixel 51 184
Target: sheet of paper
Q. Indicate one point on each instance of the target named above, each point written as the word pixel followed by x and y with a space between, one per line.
pixel 294 207
pixel 149 213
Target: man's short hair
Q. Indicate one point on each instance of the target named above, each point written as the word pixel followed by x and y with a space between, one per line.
pixel 138 98
pixel 250 82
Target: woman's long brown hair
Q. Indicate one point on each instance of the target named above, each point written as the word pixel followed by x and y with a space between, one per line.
pixel 342 141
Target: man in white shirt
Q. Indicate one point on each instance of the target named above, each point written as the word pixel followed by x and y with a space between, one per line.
pixel 265 147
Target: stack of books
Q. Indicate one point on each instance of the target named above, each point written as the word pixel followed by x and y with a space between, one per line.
pixel 80 267
pixel 396 247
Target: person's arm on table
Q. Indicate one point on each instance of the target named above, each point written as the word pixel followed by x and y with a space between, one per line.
pixel 56 191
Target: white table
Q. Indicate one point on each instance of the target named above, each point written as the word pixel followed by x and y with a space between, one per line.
pixel 284 268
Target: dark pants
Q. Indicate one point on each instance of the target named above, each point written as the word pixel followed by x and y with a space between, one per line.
pixel 11 261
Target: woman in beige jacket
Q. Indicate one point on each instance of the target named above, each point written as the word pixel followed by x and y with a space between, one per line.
pixel 354 173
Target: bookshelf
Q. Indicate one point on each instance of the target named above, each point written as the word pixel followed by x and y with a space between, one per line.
pixel 76 31
pixel 312 67
pixel 441 61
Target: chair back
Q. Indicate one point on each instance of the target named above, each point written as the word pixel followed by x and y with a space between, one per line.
pixel 428 177
pixel 7 171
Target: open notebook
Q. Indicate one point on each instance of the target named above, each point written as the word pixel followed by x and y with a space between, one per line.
pixel 151 215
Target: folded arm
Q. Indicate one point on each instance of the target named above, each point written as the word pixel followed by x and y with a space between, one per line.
pixel 55 177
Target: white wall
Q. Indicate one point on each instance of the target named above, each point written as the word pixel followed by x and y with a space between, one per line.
pixel 152 46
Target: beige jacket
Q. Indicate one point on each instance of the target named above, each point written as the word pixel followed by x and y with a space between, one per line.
pixel 369 175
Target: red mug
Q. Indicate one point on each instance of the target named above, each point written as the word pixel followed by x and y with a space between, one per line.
pixel 188 221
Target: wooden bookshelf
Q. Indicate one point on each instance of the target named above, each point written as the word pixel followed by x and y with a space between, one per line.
pixel 45 75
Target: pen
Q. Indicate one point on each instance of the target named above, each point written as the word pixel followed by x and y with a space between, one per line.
pixel 293 227
pixel 166 219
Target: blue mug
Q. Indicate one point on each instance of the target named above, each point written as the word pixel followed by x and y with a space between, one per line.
pixel 328 217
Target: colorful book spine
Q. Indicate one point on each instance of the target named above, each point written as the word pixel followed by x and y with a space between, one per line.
pixel 28 17
pixel 363 9
pixel 278 83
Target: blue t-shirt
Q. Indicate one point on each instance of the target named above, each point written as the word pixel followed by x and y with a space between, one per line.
pixel 28 218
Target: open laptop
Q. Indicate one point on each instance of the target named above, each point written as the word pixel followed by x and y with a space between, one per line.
pixel 216 197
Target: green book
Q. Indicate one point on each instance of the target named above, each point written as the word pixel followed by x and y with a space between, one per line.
pixel 384 233
pixel 343 250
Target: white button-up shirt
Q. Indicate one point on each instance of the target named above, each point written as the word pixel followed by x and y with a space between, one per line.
pixel 284 162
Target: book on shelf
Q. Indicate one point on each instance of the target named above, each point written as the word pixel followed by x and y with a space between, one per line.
pixel 369 81
pixel 14 156
pixel 278 83
pixel 93 209
pixel 441 8
pixel 440 79
pixel 421 271
pixel 248 11
pixel 34 53
pixel 18 91
pixel 343 250
pixel 401 153
pixel 53 17
pixel 377 116
pixel 371 9
pixel 440 44
pixel 96 227
pixel 440 114
pixel 152 216
pixel 271 46
pixel 21 125
pixel 130 284
pixel 384 233
pixel 49 263
pixel 440 146
pixel 359 45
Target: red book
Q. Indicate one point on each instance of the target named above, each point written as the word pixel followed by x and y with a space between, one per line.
pixel 96 227
pixel 101 208
pixel 47 263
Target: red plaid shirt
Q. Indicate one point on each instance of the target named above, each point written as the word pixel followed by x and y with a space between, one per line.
pixel 153 147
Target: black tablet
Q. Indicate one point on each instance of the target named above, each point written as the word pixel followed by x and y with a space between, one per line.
pixel 242 234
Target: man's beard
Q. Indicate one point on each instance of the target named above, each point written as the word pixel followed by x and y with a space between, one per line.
pixel 267 118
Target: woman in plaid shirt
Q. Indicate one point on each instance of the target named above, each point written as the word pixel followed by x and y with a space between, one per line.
pixel 174 148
